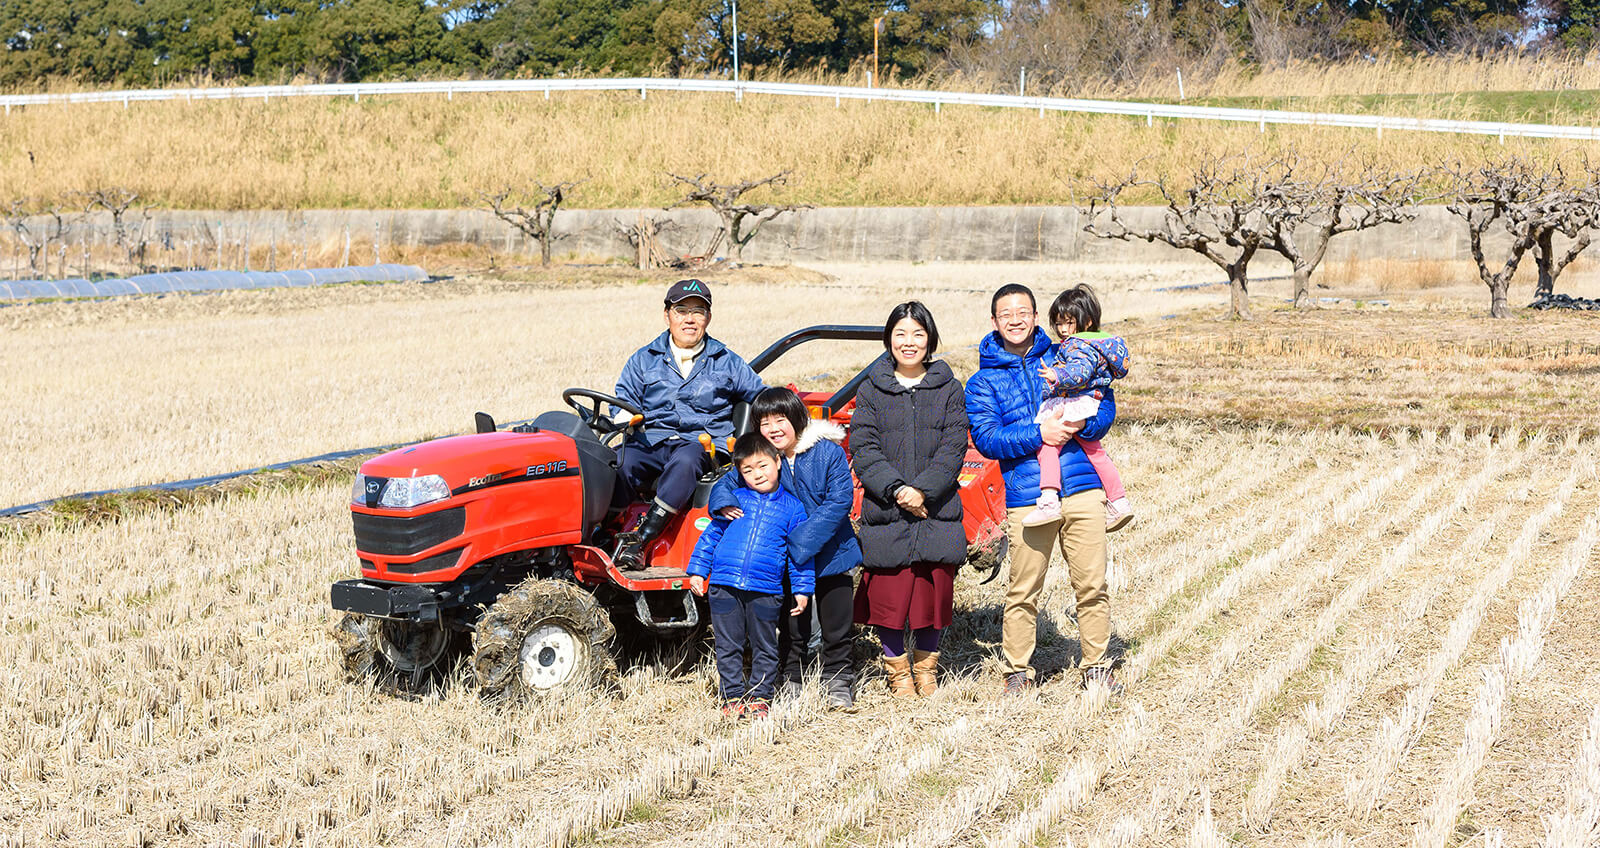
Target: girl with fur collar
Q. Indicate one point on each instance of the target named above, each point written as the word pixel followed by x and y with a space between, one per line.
pixel 816 470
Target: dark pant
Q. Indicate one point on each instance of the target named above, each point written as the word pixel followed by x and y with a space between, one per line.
pixel 743 619
pixel 834 603
pixel 674 466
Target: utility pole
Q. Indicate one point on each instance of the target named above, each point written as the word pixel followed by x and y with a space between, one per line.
pixel 877 25
pixel 735 41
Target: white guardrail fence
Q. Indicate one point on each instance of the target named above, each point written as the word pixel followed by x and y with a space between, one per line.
pixel 1148 111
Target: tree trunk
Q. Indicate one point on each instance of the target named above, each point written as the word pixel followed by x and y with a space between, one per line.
pixel 1497 296
pixel 1302 288
pixel 1239 308
pixel 544 249
pixel 1544 259
pixel 735 247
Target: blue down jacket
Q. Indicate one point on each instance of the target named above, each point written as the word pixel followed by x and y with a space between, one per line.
pixel 675 406
pixel 819 476
pixel 752 553
pixel 1002 399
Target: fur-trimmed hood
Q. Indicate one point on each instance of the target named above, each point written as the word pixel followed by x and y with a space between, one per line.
pixel 815 432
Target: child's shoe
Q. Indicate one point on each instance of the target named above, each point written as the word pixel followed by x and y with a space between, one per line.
pixel 756 710
pixel 1047 511
pixel 732 710
pixel 1119 513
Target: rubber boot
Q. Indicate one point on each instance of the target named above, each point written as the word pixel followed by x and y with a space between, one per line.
pixel 898 672
pixel 925 672
pixel 631 545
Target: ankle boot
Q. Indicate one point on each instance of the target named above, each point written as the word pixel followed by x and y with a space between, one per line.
pixel 925 672
pixel 629 555
pixel 898 672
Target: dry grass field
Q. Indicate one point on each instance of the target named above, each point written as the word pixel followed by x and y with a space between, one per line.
pixel 316 153
pixel 1342 620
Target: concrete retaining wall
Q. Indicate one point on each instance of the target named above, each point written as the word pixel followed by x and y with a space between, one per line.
pixel 933 233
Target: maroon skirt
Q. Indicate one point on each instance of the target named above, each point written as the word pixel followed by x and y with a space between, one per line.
pixel 922 594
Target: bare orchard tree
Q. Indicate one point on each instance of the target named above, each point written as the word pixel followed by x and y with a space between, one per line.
pixel 1531 205
pixel 1224 213
pixel 532 212
pixel 725 199
pixel 1316 208
pixel 1575 214
pixel 131 233
pixel 36 223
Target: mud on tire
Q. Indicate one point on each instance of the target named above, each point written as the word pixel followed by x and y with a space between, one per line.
pixel 544 637
pixel 404 658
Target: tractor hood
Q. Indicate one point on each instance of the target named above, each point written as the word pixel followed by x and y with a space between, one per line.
pixel 480 460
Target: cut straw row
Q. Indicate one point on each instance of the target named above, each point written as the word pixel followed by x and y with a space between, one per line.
pixel 1519 655
pixel 1400 731
pixel 1578 824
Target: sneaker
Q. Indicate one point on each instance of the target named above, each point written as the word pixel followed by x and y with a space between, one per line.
pixel 756 710
pixel 732 710
pixel 1102 677
pixel 1119 514
pixel 1017 683
pixel 789 691
pixel 840 696
pixel 1047 511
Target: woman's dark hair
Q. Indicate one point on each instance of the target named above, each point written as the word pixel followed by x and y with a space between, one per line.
pixel 1008 290
pixel 1079 304
pixel 914 310
pixel 780 401
pixel 751 444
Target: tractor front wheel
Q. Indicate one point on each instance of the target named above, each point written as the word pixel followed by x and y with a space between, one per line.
pixel 542 638
pixel 406 657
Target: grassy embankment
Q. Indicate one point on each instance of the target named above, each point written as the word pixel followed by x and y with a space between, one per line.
pixel 419 151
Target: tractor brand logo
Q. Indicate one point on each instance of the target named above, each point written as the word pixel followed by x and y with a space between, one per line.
pixel 373 486
pixel 484 480
pixel 702 523
pixel 548 469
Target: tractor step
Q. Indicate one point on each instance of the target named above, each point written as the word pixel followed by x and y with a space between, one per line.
pixel 654 573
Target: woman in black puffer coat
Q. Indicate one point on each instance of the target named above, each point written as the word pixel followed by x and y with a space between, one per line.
pixel 907 441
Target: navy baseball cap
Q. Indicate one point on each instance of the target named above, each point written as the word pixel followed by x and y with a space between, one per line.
pixel 685 289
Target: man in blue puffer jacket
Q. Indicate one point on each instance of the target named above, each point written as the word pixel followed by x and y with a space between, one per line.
pixel 685 383
pixel 746 561
pixel 1002 400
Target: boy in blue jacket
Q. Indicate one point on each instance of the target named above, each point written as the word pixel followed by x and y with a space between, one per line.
pixel 745 561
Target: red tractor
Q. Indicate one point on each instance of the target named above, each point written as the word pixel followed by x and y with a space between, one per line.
pixel 498 544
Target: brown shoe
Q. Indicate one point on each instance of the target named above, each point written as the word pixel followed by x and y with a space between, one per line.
pixel 1017 683
pixel 925 672
pixel 898 672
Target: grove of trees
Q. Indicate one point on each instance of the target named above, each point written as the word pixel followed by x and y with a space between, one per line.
pixel 153 42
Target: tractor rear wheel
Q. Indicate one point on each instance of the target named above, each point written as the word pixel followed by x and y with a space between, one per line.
pixel 406 657
pixel 543 638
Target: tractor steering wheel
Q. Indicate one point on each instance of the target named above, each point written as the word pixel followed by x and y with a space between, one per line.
pixel 600 424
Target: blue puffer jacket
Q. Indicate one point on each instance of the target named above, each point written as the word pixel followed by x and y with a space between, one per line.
pixel 675 406
pixel 1002 399
pixel 820 477
pixel 752 553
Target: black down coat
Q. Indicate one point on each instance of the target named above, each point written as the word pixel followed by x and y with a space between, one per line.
pixel 915 437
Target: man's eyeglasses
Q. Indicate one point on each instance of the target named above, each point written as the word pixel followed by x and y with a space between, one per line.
pixel 688 311
pixel 1020 315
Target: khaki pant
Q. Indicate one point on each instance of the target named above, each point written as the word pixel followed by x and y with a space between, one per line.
pixel 1082 536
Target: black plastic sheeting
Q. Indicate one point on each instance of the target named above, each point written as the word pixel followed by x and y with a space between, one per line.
pixel 1564 301
pixel 195 281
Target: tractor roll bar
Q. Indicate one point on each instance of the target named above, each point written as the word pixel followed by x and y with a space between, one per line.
pixel 838 332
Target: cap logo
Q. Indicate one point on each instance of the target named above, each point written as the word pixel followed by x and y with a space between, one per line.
pixel 693 287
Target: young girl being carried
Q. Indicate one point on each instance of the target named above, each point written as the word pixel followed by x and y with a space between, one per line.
pixel 1085 362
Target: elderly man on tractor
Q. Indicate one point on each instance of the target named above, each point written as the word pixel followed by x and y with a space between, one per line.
pixel 685 384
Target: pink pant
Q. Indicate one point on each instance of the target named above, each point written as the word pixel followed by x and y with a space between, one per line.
pixel 1050 468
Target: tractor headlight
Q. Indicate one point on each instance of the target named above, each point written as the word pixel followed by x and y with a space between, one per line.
pixel 408 492
pixel 358 490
